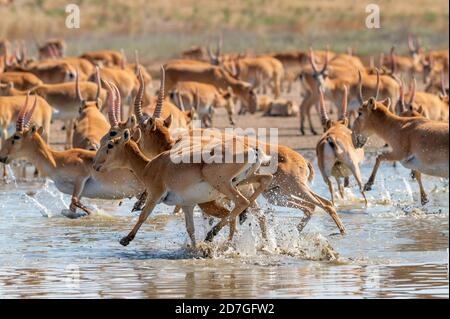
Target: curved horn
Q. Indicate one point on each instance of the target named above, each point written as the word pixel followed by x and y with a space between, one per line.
pixel 444 92
pixel 323 111
pixel 325 65
pixel 180 101
pixel 99 81
pixel 381 60
pixel 412 92
pixel 77 86
pixel 411 43
pixel 118 105
pixel 402 97
pixel 29 114
pixel 377 91
pixel 393 65
pixel 161 94
pixel 371 62
pixel 20 117
pixel 111 100
pixel 344 103
pixel 139 97
pixel 360 95
pixel 312 60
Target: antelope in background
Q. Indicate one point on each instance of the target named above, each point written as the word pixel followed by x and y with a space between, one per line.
pixel 91 125
pixel 431 106
pixel 422 146
pixel 336 155
pixel 204 98
pixel 173 183
pixel 19 80
pixel 214 75
pixel 71 170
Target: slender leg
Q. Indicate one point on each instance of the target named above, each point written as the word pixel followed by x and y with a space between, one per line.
pixel 308 195
pixel 189 219
pixel 140 202
pixel 340 187
pixel 77 192
pixel 307 210
pixel 330 187
pixel 423 194
pixel 262 220
pixel 149 206
pixel 382 157
pixel 357 174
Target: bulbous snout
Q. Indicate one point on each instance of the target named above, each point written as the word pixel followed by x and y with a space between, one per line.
pixel 4 159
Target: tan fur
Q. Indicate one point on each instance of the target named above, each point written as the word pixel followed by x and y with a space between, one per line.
pixel 20 80
pixel 261 71
pixel 417 143
pixel 104 58
pixel 10 107
pixel 214 75
pixel 203 97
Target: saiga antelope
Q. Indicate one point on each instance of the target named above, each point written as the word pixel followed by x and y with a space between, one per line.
pixel 336 155
pixel 63 98
pixel 206 97
pixel 214 75
pixel 71 170
pixel 431 106
pixel 289 187
pixel 417 143
pixel 183 184
pixel 91 125
pixel 20 80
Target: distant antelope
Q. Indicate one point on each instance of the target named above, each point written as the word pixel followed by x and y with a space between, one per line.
pixel 261 72
pixel 71 170
pixel 213 75
pixel 429 105
pixel 53 48
pixel 91 125
pixel 18 80
pixel 105 58
pixel 419 144
pixel 336 154
pixel 205 97
pixel 63 98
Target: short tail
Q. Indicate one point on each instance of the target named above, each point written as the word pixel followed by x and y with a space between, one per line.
pixel 334 145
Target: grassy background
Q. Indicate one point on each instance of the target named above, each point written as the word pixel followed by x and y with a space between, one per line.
pixel 162 28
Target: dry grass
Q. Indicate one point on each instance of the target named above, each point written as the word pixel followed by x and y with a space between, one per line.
pixel 161 28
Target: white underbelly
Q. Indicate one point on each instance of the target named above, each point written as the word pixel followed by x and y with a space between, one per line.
pixel 94 189
pixel 196 194
pixel 437 169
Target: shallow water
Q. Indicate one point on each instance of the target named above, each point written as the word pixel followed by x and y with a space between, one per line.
pixel 396 248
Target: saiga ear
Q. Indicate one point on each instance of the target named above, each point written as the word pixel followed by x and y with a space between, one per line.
pixel 168 121
pixel 40 131
pixel 126 135
pixel 137 135
pixel 387 102
pixel 150 125
pixel 372 104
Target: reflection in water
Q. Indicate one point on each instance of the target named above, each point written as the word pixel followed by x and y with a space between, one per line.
pixel 395 248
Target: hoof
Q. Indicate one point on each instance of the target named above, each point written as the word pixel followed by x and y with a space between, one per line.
pixel 367 187
pixel 125 241
pixel 73 214
pixel 313 132
pixel 424 201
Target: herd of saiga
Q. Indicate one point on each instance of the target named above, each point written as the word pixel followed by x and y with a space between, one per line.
pixel 130 158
